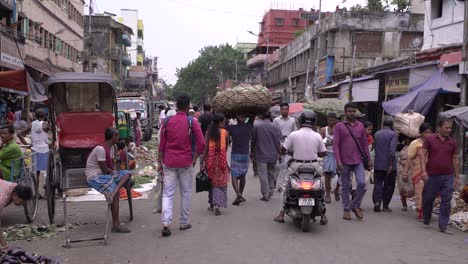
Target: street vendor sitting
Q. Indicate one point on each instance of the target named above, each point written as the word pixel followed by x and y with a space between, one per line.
pixel 102 176
pixel 9 151
pixel 18 193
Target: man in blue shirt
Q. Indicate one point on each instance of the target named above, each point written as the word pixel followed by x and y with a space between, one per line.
pixel 385 165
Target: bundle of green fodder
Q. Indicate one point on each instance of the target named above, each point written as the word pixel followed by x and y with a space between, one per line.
pixel 243 98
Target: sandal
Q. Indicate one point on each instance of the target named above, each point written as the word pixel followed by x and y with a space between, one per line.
pixel 166 231
pixel 185 227
pixel 217 211
pixel 120 229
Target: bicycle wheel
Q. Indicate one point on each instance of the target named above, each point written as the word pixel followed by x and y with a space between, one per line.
pixel 30 208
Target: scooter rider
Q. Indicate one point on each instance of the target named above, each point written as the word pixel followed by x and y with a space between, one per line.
pixel 307 146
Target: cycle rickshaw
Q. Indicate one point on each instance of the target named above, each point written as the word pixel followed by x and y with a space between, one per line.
pixel 83 105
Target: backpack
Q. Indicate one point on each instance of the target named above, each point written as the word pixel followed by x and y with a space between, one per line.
pixel 192 136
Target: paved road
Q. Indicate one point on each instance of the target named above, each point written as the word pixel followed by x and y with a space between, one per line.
pixel 247 234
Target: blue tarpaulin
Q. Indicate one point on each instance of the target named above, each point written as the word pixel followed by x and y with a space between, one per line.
pixel 419 99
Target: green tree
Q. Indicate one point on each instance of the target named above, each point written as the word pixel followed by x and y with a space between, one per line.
pixel 375 5
pixel 214 65
pixel 402 5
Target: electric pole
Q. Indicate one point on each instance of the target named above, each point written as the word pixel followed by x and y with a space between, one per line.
pixel 463 85
pixel 317 54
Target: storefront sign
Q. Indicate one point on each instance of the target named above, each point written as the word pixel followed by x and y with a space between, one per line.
pixel 325 70
pixel 11 60
pixel 396 83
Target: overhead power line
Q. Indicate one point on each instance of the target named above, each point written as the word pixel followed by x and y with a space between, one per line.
pixel 212 9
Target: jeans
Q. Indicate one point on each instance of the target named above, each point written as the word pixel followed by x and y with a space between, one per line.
pixel 266 174
pixel 346 182
pixel 438 184
pixel 171 176
pixel 384 187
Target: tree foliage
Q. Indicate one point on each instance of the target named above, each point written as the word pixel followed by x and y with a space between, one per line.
pixel 402 5
pixel 375 5
pixel 214 65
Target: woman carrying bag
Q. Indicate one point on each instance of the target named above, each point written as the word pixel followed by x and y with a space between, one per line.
pixel 215 161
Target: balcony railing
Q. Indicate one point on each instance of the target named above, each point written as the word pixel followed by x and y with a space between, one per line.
pixel 116 53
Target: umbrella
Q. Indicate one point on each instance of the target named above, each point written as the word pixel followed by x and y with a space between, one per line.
pixel 295 110
pixel 460 114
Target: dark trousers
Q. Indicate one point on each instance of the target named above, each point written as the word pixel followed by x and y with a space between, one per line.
pixel 438 184
pixel 384 187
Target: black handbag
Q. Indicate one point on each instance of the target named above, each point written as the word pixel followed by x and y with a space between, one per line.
pixel 203 183
pixel 365 160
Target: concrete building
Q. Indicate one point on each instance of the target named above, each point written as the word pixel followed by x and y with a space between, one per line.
pixel 53 34
pixel 277 29
pixel 106 46
pixel 130 18
pixel 377 38
pixel 245 48
pixel 10 54
pixel 444 23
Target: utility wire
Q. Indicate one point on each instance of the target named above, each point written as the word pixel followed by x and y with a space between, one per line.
pixel 211 9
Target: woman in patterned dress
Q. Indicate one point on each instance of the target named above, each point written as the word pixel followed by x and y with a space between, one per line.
pixel 415 163
pixel 215 161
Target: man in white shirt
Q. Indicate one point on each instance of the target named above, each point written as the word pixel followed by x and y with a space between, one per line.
pixel 287 124
pixel 307 146
pixel 40 141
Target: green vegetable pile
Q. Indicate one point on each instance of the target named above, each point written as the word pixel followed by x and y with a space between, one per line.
pixel 140 180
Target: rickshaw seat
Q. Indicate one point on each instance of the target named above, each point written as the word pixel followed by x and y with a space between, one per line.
pixel 83 129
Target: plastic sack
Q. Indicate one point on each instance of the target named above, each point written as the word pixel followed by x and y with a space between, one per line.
pixel 408 123
pixel 157 199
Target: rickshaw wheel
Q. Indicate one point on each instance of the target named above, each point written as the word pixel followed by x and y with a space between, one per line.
pixel 30 208
pixel 50 188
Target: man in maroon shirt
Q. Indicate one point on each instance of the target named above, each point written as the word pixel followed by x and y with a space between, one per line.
pixel 176 161
pixel 349 146
pixel 440 154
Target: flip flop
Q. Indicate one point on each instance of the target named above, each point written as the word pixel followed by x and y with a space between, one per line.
pixel 120 229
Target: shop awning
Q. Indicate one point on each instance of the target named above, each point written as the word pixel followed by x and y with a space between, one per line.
pixel 459 114
pixel 420 98
pixel 15 80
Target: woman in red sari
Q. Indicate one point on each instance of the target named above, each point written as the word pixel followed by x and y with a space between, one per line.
pixel 215 160
pixel 415 163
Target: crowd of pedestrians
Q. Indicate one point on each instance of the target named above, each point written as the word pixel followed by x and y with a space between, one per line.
pixel 422 168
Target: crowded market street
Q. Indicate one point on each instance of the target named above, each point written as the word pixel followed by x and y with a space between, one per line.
pixel 247 234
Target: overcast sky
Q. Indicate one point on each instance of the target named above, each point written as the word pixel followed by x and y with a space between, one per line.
pixel 176 30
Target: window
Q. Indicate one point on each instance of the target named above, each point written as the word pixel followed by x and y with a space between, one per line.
pixel 368 42
pixel 279 21
pixel 296 22
pixel 409 39
pixel 436 8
